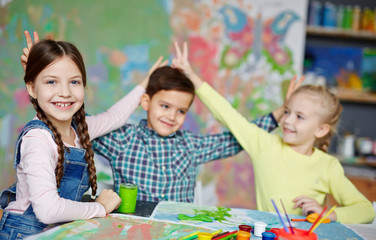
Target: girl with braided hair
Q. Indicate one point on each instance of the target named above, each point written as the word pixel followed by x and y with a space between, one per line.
pixel 53 158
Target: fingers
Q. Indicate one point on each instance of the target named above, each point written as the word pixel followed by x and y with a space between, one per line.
pixel 24 58
pixel 293 86
pixel 164 63
pixel 156 64
pixel 300 81
pixel 307 204
pixel 299 201
pixel 36 37
pixel 178 51
pixel 29 42
pixel 185 51
pixel 109 199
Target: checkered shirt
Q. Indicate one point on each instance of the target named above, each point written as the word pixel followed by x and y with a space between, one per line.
pixel 165 168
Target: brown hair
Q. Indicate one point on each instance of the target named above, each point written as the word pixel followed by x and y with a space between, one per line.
pixel 42 55
pixel 168 78
pixel 331 114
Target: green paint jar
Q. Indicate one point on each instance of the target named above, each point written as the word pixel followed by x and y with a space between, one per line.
pixel 128 195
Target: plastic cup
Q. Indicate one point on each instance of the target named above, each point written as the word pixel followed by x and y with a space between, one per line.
pixel 204 236
pixel 245 228
pixel 299 234
pixel 243 235
pixel 128 195
pixel 259 228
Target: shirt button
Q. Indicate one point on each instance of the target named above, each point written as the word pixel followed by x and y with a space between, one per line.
pixel 163 168
pixel 162 195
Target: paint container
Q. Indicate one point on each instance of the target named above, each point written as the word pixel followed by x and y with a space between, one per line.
pixel 245 228
pixel 259 228
pixel 204 236
pixel 329 15
pixel 299 234
pixel 128 195
pixel 314 13
pixel 243 235
pixel 268 236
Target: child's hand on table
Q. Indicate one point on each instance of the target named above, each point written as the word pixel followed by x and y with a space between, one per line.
pixel 109 199
pixel 310 205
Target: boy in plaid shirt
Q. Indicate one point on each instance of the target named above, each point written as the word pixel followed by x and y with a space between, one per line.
pixel 156 154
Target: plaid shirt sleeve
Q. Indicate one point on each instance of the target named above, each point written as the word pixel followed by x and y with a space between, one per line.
pixel 107 145
pixel 217 146
pixel 266 122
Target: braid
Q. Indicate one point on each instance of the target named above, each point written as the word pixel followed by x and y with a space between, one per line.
pixel 59 170
pixel 83 135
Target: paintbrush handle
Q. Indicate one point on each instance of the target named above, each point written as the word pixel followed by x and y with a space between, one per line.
pixel 298 219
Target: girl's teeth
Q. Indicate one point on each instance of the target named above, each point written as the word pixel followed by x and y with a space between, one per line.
pixel 63 104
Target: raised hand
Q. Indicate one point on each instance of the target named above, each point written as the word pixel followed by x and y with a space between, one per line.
pixel 181 62
pixel 30 44
pixel 293 86
pixel 278 113
pixel 156 65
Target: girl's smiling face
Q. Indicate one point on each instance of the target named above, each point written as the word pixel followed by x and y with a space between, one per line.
pixel 59 90
pixel 302 122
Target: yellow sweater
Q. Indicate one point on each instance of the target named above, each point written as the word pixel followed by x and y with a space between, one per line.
pixel 282 173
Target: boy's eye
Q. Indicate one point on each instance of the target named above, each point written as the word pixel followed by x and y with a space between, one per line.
pixel 300 116
pixel 181 112
pixel 164 106
pixel 286 112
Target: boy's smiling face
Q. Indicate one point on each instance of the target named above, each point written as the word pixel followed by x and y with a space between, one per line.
pixel 166 110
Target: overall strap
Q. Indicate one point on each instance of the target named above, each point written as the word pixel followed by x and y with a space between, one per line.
pixel 29 126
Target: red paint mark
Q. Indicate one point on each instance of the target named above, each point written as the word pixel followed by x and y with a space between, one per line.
pixel 140 231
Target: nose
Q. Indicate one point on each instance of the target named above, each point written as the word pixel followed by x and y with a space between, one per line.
pixel 64 90
pixel 171 115
pixel 289 118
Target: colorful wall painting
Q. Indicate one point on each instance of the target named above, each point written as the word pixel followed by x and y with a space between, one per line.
pixel 120 226
pixel 230 218
pixel 247 50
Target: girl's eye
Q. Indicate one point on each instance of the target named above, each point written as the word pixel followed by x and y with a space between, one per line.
pixel 286 112
pixel 300 117
pixel 76 82
pixel 181 112
pixel 164 106
pixel 51 82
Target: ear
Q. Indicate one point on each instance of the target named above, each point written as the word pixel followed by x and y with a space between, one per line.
pixel 322 130
pixel 30 89
pixel 145 102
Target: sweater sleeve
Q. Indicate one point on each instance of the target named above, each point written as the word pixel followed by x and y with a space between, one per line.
pixel 250 137
pixel 38 165
pixel 355 207
pixel 116 116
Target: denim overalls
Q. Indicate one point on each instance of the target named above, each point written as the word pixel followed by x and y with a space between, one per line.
pixel 73 185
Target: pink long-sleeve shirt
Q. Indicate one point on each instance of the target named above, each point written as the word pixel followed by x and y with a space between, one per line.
pixel 36 180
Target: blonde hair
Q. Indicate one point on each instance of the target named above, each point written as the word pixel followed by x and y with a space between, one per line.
pixel 331 114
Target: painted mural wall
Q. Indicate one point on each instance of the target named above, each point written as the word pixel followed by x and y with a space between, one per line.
pixel 247 50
